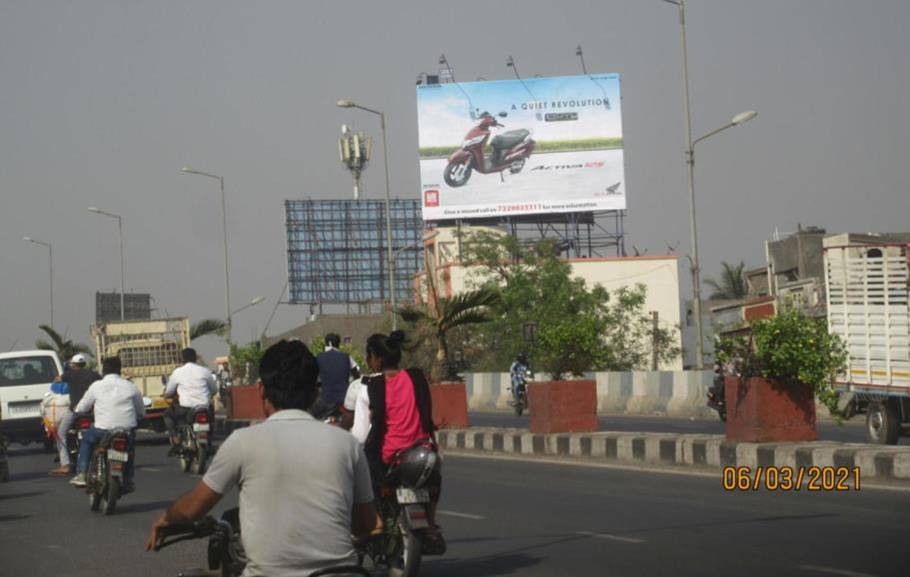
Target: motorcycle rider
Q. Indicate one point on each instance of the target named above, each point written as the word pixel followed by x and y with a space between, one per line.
pixel 304 487
pixel 518 373
pixel 117 404
pixel 401 416
pixel 194 385
pixel 336 369
pixel 78 379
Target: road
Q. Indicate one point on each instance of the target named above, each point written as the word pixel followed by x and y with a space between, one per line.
pixel 501 517
pixel 852 431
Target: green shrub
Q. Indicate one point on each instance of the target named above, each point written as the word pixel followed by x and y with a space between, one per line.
pixel 791 349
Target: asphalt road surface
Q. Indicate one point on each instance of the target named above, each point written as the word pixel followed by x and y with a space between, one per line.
pixel 502 518
pixel 852 431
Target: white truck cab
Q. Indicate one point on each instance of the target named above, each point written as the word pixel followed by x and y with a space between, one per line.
pixel 25 376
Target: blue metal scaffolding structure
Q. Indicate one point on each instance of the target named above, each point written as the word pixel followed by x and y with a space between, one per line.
pixel 337 250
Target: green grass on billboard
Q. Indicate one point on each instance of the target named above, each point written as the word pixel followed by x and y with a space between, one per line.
pixel 545 146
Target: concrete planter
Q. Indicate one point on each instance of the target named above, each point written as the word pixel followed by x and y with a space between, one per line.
pixel 244 403
pixel 563 406
pixel 450 405
pixel 761 411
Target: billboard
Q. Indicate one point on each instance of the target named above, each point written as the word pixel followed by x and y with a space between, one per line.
pixel 337 250
pixel 524 146
pixel 138 307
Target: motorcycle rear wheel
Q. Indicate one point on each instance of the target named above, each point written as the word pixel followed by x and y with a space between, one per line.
pixel 407 564
pixel 198 465
pixel 94 501
pixel 110 496
pixel 453 177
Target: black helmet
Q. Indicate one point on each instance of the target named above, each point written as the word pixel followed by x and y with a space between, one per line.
pixel 522 358
pixel 415 465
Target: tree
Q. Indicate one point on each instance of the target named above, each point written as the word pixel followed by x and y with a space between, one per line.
pixel 206 327
pixel 732 282
pixel 65 348
pixel 578 328
pixel 244 360
pixel 438 318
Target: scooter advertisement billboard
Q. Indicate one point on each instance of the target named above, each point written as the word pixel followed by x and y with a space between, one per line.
pixel 518 147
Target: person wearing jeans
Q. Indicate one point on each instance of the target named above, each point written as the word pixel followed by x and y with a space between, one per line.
pixel 117 404
pixel 92 437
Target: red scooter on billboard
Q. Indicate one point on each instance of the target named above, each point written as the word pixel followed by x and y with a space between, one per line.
pixel 510 151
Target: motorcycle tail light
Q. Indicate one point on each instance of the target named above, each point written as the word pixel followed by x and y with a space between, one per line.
pixel 119 444
pixel 202 418
pixel 84 423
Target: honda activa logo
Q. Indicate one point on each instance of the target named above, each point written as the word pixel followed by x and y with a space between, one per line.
pixel 574 166
pixel 431 198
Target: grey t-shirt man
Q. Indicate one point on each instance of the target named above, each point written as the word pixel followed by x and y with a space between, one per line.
pixel 299 480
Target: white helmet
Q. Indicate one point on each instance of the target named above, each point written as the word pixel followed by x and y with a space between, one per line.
pixel 78 359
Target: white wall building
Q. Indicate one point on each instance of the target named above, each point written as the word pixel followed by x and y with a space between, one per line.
pixel 659 274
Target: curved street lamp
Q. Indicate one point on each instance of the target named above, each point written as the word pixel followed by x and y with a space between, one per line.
pixel 50 249
pixel 227 277
pixel 97 210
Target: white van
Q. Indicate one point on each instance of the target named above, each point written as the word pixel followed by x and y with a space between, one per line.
pixel 25 376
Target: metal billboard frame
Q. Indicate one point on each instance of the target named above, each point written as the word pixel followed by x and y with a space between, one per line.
pixel 336 250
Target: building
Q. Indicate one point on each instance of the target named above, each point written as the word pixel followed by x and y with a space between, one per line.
pixel 353 329
pixel 659 274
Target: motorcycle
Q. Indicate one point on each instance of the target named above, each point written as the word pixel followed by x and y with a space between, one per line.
pixel 403 505
pixel 104 480
pixel 510 151
pixel 520 402
pixel 716 395
pixel 81 423
pixel 195 446
pixel 226 557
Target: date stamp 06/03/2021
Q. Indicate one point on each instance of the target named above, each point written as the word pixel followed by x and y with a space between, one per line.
pixel 812 479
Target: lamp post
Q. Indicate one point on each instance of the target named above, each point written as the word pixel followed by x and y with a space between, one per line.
pixel 690 161
pixel 50 250
pixel 388 205
pixel 122 273
pixel 227 277
pixel 252 303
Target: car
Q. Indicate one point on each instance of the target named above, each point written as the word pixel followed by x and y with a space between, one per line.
pixel 25 376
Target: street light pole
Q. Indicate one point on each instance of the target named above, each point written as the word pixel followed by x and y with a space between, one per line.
pixel 122 269
pixel 227 277
pixel 690 164
pixel 50 249
pixel 388 206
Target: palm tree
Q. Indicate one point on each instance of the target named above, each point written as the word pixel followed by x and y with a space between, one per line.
pixel 442 315
pixel 206 327
pixel 65 348
pixel 732 283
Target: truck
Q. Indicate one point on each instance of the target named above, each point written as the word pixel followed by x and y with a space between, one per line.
pixel 149 351
pixel 867 281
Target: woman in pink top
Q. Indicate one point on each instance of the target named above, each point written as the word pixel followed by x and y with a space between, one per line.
pixel 400 413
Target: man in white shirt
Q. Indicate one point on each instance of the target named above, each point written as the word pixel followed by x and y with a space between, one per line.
pixel 304 486
pixel 194 386
pixel 117 404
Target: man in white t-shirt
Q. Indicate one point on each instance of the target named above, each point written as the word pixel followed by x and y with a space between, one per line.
pixel 194 385
pixel 304 486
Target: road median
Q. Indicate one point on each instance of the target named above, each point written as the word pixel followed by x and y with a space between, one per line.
pixel 882 463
